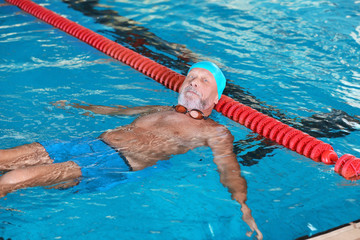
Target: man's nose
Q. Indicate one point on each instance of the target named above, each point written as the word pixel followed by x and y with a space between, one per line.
pixel 194 82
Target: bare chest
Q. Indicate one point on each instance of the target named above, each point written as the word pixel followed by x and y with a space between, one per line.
pixel 172 125
pixel 159 136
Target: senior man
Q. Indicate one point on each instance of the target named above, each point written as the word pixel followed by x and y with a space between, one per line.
pixel 157 134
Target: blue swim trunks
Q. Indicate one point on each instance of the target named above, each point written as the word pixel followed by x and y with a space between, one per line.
pixel 102 166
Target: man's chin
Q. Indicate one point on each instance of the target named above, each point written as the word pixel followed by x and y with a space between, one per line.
pixel 190 101
pixel 190 104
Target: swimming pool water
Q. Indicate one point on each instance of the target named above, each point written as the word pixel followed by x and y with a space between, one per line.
pixel 297 61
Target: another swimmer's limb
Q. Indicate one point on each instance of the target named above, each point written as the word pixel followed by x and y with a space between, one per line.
pixel 42 175
pixel 23 156
pixel 230 175
pixel 118 110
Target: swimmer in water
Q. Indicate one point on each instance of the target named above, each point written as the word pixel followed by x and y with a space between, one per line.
pixel 157 134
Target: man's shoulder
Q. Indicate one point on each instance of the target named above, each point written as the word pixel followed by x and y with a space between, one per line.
pixel 212 123
pixel 215 127
pixel 217 134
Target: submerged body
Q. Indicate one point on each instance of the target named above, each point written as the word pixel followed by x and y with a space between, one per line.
pixel 160 135
pixel 157 134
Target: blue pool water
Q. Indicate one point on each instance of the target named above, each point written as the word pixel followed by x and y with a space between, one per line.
pixel 297 61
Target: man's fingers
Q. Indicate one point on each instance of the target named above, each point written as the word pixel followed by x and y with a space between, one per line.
pixel 259 235
pixel 60 103
pixel 249 233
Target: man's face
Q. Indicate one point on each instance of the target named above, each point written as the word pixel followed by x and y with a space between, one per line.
pixel 199 90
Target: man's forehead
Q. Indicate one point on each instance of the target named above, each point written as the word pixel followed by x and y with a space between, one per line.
pixel 202 71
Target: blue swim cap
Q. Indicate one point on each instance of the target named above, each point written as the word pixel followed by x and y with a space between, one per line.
pixel 215 71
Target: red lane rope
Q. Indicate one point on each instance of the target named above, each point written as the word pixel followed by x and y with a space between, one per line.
pixel 347 166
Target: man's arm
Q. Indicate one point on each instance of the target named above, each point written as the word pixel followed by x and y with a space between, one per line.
pixel 230 174
pixel 118 110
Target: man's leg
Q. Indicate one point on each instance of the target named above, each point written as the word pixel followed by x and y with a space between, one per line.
pixel 23 156
pixel 40 175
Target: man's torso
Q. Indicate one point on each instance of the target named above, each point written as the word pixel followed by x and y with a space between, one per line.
pixel 159 135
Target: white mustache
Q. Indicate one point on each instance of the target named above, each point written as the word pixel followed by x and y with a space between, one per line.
pixel 190 88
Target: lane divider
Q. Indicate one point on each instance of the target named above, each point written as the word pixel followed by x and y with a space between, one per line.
pixel 347 166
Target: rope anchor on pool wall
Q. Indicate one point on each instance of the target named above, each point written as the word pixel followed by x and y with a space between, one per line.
pixel 347 166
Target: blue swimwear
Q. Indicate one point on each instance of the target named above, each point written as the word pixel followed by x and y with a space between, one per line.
pixel 101 165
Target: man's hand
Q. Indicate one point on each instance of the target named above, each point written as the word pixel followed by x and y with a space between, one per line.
pixel 247 217
pixel 60 104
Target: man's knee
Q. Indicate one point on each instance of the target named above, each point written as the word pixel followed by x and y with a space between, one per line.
pixel 71 168
pixel 70 164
